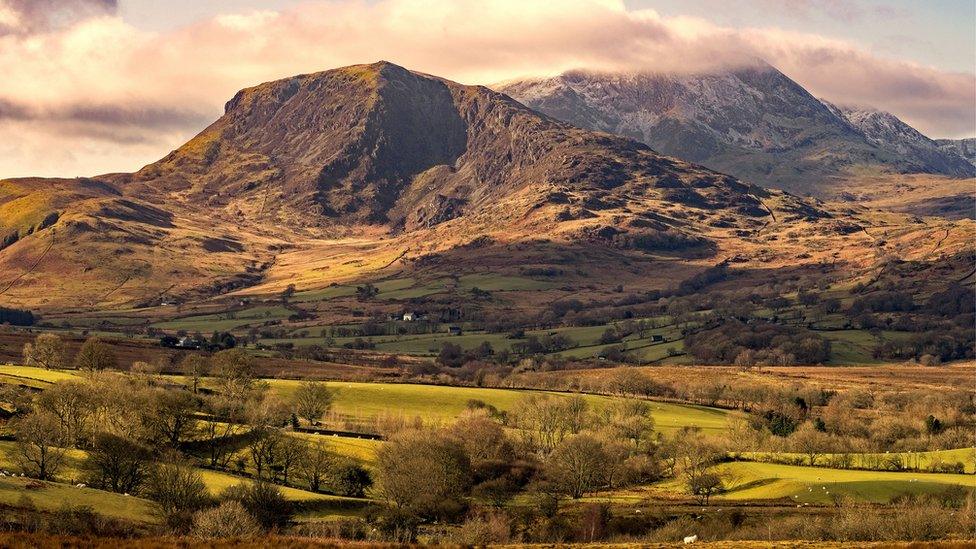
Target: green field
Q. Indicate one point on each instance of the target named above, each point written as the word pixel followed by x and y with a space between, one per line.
pixel 856 346
pixel 919 460
pixel 40 374
pixel 440 403
pixel 385 287
pixel 435 403
pixel 361 451
pixel 817 484
pixel 51 496
pixel 586 339
pixel 410 288
pixel 225 321
pixel 501 283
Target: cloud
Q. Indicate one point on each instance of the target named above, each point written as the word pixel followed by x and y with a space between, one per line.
pixel 842 10
pixel 103 82
pixel 30 16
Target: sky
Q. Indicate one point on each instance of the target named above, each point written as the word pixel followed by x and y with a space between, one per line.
pixel 98 86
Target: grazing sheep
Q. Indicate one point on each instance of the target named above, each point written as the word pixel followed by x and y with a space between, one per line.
pixel 691 539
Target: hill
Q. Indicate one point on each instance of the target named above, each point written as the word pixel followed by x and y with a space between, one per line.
pixel 754 122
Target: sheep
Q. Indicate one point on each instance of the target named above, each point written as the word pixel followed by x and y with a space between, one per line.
pixel 691 539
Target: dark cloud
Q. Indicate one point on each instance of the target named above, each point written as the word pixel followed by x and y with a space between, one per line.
pixel 32 16
pixel 116 123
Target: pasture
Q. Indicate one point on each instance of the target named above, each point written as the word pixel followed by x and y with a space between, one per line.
pixel 437 403
pixel 751 480
pixel 50 496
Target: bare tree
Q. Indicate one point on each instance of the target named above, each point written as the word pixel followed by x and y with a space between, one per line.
pixel 227 520
pixel 47 351
pixel 74 405
pixel 629 421
pixel 698 458
pixel 578 465
pixel 39 450
pixel 312 400
pixel 263 449
pixel 482 438
pixel 169 416
pixel 809 441
pixel 315 466
pixel 94 356
pixel 423 473
pixel 195 368
pixel 234 373
pixel 117 464
pixel 177 491
pixel 544 421
pixel 291 452
pixel 219 424
pixel 705 485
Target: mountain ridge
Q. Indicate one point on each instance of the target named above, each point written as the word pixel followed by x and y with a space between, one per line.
pixel 356 173
pixel 755 123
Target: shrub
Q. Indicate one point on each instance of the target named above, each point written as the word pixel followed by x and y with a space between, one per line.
pixel 351 480
pixel 264 502
pixel 227 520
pixel 178 491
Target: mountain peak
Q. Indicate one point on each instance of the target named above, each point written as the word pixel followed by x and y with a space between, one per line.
pixel 753 121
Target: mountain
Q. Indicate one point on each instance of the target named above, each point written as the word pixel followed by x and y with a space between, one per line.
pixel 357 173
pixel 965 148
pixel 378 144
pixel 754 123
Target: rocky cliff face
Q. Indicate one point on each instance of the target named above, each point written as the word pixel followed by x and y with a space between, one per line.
pixel 379 144
pixel 754 123
pixel 965 148
pixel 918 153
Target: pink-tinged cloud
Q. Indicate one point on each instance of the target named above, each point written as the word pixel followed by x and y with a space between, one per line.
pixel 117 97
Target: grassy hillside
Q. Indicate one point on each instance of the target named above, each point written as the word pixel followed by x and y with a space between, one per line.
pixel 51 496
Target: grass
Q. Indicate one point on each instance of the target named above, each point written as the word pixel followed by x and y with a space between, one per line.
pixel 225 321
pixel 361 451
pixel 216 481
pixel 857 346
pixel 435 403
pixel 818 485
pixel 501 283
pixel 586 337
pixel 52 496
pixel 966 456
pixel 438 403
pixel 410 288
pixel 39 374
pixel 385 287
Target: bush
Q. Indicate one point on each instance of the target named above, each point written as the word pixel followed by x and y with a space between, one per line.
pixel 264 502
pixel 490 529
pixel 732 341
pixel 351 480
pixel 178 492
pixel 227 520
